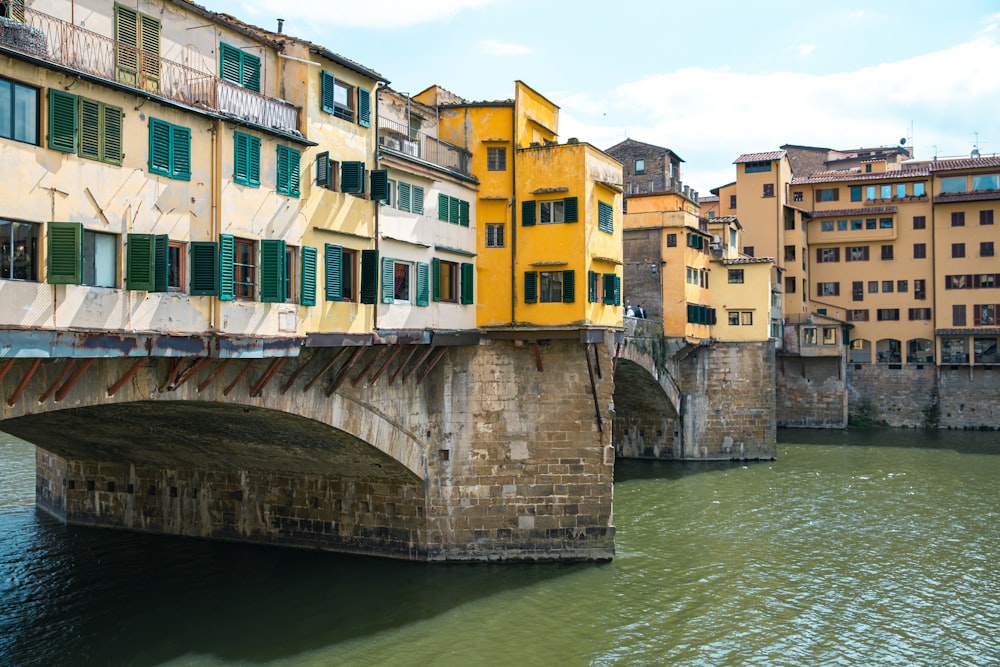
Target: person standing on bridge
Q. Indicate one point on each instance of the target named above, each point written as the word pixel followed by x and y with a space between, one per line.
pixel 628 311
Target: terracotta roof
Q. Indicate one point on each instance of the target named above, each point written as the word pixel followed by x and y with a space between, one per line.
pixel 965 163
pixel 760 157
pixel 838 212
pixel 984 195
pixel 748 260
pixel 856 175
pixel 722 218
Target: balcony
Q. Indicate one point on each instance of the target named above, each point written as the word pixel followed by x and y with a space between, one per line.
pixel 400 139
pixel 56 41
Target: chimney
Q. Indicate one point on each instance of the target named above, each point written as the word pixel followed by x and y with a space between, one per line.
pixel 281 24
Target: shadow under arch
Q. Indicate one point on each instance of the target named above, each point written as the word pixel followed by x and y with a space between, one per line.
pixel 638 394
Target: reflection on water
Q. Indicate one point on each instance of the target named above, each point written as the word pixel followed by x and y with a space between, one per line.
pixel 850 549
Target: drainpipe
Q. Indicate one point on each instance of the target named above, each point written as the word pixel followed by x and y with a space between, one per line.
pixel 378 89
pixel 513 213
pixel 216 197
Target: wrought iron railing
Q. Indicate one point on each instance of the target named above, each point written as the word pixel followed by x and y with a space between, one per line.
pixel 401 139
pixel 52 39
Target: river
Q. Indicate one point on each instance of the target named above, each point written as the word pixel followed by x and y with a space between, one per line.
pixel 878 548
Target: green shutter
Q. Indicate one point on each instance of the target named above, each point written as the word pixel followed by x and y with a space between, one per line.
pixel 323 169
pixel 272 271
pixel 528 214
pixel 364 108
pixel 618 290
pixel 139 270
pixel 333 272
pixel 294 172
pixel 127 44
pixel 463 213
pixel 592 286
pixel 180 153
pixel 62 121
pixel 241 157
pixel 287 182
pixel 230 64
pixel 443 200
pixel 369 276
pixel 569 209
pixel 352 177
pixel 380 185
pixel 453 215
pixel 468 273
pixel 308 290
pixel 204 269
pixel 161 262
pixel 251 72
pixel 254 163
pixel 326 92
pixel 605 217
pixel 65 253
pixel 159 147
pixel 436 277
pixel 569 286
pixel 227 275
pixel 530 286
pixel 111 149
pixel 422 270
pixel 418 200
pixel 403 198
pixel 609 289
pixel 388 280
pixel 90 129
pixel 149 47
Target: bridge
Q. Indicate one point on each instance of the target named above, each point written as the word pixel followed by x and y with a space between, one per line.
pixel 491 446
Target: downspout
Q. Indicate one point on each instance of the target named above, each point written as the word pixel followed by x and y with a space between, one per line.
pixel 513 213
pixel 215 316
pixel 378 89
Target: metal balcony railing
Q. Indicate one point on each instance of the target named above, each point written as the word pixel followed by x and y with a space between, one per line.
pixel 46 37
pixel 400 138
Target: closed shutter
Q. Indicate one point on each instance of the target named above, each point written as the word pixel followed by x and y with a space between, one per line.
pixel 352 177
pixel 323 169
pixel 369 276
pixel 230 64
pixel 388 280
pixel 592 286
pixel 570 209
pixel 605 217
pixel 468 292
pixel 111 150
pixel 127 44
pixel 149 46
pixel 422 280
pixel 180 151
pixel 380 185
pixel 161 262
pixel 90 129
pixel 227 275
pixel 530 286
pixel 308 290
pixel 569 286
pixel 65 253
pixel 364 108
pixel 417 203
pixel 436 277
pixel 62 121
pixel 463 213
pixel 272 271
pixel 204 268
pixel 159 147
pixel 528 214
pixel 403 199
pixel 333 274
pixel 443 200
pixel 139 262
pixel 453 215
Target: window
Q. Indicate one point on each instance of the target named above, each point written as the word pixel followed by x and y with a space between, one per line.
pixel 732 201
pixel 958 218
pixel 336 97
pixel 735 276
pixel 870 192
pixel 920 313
pixel 789 253
pixel 176 265
pixel 987 280
pixel 887 286
pixel 453 210
pixel 919 189
pixel 240 67
pixel 553 211
pixel 137 52
pixel 445 278
pixel 887 252
pixel 558 286
pixel 326 171
pixel 842 225
pixel 246 161
pixel 919 251
pixel 900 190
pixel 957 282
pixel 826 226
pixel 958 315
pixel 789 285
pixel 287 179
pixel 339 273
pixel 958 250
pixel 611 292
pixel 100 259
pixel 827 255
pixel 885 192
pixel 739 318
pixel 700 314
pixel 885 223
pixel 857 253
pixel 244 269
pixel 147 262
pixel 954 184
pixel 984 315
pixel 671 240
pixel 169 149
pixel 919 222
pixel 857 315
pixel 753 167
pixel 18 251
pixel 410 198
pixel 768 189
pixel 829 336
pixel 291 266
pixel 789 223
pixel 857 225
pixel 695 241
pixel 640 167
pixel 18 112
pixel 986 249
pixel 870 223
pixel 827 289
pixel 985 182
pixel 396 282
pixel 12 9
pixel 873 287
pixel 748 250
pixel 605 217
pixel 496 158
pixel 888 314
pixel 797 195
pixel 902 286
pixel 986 217
pixel 855 193
pixel 919 289
pixel 857 291
pixel 494 235
pixel 828 194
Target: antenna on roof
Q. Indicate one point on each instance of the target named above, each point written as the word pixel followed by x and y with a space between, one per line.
pixel 975 146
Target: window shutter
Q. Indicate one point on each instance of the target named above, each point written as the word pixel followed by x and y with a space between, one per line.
pixel 468 273
pixel 161 262
pixel 139 262
pixel 443 200
pixel 463 213
pixel 569 209
pixel 592 286
pixel 227 276
pixel 272 271
pixel 251 72
pixel 111 151
pixel 388 280
pixel 418 200
pixel 352 177
pixel 17 10
pixel 364 108
pixel 241 157
pixel 204 268
pixel 230 65
pixel 159 147
pixel 605 217
pixel 293 172
pixel 308 290
pixel 403 199
pixel 569 286
pixel 422 270
pixel 180 151
pixel 65 253
pixel 528 214
pixel 618 290
pixel 333 256
pixel 609 289
pixel 323 169
pixel 127 36
pixel 62 121
pixel 149 47
pixel 453 215
pixel 380 185
pixel 326 92
pixel 530 286
pixel 253 162
pixel 436 275
pixel 369 276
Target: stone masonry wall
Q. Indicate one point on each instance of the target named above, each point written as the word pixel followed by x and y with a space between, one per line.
pixel 903 397
pixel 969 398
pixel 642 279
pixel 811 392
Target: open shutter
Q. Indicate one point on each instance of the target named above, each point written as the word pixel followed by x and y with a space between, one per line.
pixel 253 162
pixel 230 64
pixel 62 121
pixel 90 129
pixel 417 202
pixel 17 10
pixel 149 47
pixel 251 72
pixel 161 262
pixel 227 276
pixel 463 213
pixel 159 147
pixel 181 152
pixel 569 286
pixel 352 177
pixel 364 108
pixel 204 268
pixel 111 150
pixel 453 206
pixel 308 290
pixel 436 278
pixel 468 271
pixel 333 277
pixel 528 213
pixel 380 185
pixel 323 169
pixel 272 271
pixel 139 262
pixel 422 270
pixel 592 286
pixel 403 198
pixel 326 92
pixel 570 213
pixel 369 276
pixel 609 289
pixel 388 280
pixel 530 286
pixel 618 290
pixel 65 253
pixel 126 45
pixel 443 200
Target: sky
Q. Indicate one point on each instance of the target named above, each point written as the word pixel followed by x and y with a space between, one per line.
pixel 709 79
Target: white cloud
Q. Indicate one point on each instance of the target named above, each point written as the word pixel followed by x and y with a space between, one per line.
pixel 495 48
pixel 386 14
pixel 806 49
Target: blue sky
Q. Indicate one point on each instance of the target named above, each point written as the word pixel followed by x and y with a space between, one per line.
pixel 709 79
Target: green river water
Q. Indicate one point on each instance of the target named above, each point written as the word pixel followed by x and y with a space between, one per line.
pixel 878 548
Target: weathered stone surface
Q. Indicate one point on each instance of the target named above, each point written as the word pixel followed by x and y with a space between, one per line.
pixel 811 392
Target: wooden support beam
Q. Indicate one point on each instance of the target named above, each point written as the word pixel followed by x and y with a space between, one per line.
pixel 538 357
pixel 326 367
pixel 368 367
pixel 24 383
pixel 395 353
pixel 295 374
pixel 58 381
pixel 597 361
pixel 342 374
pixel 77 374
pixel 189 373
pixel 6 367
pixel 406 361
pixel 433 362
pixel 214 374
pixel 593 388
pixel 175 368
pixel 272 368
pixel 129 374
pixel 239 376
pixel 423 358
